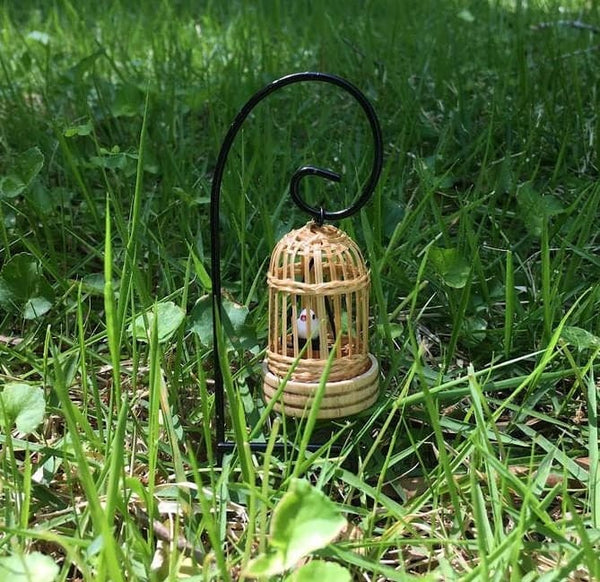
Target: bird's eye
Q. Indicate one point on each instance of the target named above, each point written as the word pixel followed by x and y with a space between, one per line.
pixel 303 317
pixel 313 316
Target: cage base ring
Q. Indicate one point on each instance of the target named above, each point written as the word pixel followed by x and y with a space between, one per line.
pixel 341 398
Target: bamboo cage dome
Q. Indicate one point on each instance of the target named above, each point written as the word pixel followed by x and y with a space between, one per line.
pixel 318 303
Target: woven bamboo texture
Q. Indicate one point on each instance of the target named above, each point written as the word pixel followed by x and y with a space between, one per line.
pixel 340 399
pixel 319 302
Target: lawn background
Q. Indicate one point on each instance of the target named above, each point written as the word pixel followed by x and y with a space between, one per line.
pixel 480 460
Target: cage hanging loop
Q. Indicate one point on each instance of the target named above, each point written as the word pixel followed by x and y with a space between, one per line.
pixel 321 218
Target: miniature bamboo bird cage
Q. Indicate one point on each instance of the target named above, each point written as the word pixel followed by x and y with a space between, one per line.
pixel 318 293
pixel 319 303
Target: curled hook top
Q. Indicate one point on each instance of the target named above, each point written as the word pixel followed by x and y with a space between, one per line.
pixel 316 213
pixel 320 214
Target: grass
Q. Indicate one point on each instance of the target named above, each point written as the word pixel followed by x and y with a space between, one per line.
pixel 480 458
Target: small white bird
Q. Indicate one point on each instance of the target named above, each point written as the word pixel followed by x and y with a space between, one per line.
pixel 302 324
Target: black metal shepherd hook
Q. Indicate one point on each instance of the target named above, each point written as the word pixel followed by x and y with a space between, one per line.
pixel 319 214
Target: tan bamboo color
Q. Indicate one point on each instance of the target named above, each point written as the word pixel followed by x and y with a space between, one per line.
pixel 319 269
